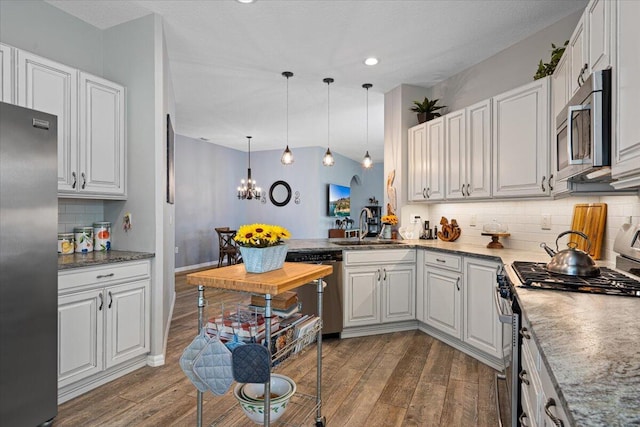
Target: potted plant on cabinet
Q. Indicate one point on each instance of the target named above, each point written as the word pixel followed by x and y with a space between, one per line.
pixel 427 109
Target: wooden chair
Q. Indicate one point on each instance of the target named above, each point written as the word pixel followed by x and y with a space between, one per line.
pixel 227 246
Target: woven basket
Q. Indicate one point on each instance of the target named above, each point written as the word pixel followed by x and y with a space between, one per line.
pixel 261 260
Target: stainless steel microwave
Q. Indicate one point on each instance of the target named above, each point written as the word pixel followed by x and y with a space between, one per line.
pixel 583 129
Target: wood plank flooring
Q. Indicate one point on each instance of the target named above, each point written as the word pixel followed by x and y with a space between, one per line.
pixel 399 379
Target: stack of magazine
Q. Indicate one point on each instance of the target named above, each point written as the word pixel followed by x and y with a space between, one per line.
pixel 294 334
pixel 241 325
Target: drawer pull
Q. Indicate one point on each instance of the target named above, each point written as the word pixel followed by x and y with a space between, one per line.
pixel 525 333
pixel 547 410
pixel 521 419
pixel 441 260
pixel 523 377
pixel 104 276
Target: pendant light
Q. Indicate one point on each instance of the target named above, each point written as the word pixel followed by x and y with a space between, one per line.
pixel 248 189
pixel 328 159
pixel 287 155
pixel 367 163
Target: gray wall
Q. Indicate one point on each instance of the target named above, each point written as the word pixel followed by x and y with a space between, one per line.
pixel 508 69
pixel 208 174
pixel 47 31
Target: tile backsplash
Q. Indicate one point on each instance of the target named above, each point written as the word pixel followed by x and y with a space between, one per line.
pixel 524 217
pixel 78 212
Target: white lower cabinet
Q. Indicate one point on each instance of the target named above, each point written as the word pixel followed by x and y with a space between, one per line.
pixel 539 399
pixel 455 304
pixel 379 290
pixel 103 324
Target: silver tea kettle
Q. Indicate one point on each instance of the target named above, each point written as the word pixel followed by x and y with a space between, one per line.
pixel 571 261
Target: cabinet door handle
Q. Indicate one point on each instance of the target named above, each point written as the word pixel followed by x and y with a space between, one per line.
pixel 424 193
pixel 428 193
pixel 378 275
pixel 523 377
pixel 521 419
pixel 110 300
pixel 468 192
pixel 544 178
pixel 462 190
pixel 103 276
pixel 550 186
pixel 101 302
pixel 75 180
pixel 547 410
pixel 458 283
pixel 84 180
pixel 385 274
pixel 524 332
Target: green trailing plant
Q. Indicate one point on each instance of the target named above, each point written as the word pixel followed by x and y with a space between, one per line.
pixel 547 69
pixel 427 109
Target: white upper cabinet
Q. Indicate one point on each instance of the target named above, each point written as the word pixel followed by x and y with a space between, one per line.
pixel 468 152
pixel 426 161
pixel 626 93
pixel 435 160
pixel 417 188
pixel 578 66
pixel 6 74
pixel 102 136
pixel 91 124
pixel 51 87
pixel 521 141
pixel 598 23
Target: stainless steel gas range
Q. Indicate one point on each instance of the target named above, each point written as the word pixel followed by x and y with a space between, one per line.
pixel 623 281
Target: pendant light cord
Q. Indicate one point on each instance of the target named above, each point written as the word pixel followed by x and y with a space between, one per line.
pixel 328 115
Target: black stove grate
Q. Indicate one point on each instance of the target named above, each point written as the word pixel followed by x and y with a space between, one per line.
pixel 611 282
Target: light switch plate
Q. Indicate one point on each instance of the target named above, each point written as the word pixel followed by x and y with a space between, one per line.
pixel 473 221
pixel 545 222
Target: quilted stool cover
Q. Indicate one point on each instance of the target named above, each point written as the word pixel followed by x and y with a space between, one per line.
pixel 251 364
pixel 189 355
pixel 213 366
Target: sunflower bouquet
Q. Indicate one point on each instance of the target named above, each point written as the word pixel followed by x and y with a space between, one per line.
pixel 390 219
pixel 261 235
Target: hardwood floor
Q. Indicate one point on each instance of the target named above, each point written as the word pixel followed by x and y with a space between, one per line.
pixel 399 379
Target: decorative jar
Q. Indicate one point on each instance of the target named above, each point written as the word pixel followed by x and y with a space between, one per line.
pixel 261 260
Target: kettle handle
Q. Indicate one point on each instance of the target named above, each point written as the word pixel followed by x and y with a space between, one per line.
pixel 579 233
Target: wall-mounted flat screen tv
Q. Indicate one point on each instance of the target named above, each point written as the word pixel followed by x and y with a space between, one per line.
pixel 339 200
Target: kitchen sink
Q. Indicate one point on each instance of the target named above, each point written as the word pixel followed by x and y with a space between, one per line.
pixel 367 242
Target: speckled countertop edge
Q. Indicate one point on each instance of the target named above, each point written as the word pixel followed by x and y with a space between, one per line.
pixel 78 260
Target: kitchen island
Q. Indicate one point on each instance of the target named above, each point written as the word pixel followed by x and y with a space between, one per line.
pixel 590 344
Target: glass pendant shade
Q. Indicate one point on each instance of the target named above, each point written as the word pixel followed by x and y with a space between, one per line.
pixel 327 159
pixel 287 155
pixel 248 189
pixel 367 162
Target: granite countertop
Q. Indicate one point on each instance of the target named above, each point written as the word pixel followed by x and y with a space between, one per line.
pixel 590 344
pixel 78 260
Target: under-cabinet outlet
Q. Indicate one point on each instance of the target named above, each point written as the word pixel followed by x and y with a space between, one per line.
pixel 177 250
pixel 415 219
pixel 545 222
pixel 473 221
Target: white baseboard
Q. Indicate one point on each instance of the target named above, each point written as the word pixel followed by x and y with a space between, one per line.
pixel 196 266
pixel 156 360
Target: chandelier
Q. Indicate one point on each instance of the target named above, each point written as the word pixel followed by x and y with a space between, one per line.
pixel 248 189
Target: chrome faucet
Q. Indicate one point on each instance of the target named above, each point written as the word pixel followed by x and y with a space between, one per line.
pixel 368 215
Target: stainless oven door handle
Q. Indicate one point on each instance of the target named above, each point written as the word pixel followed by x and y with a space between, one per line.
pixel 505 316
pixel 570 110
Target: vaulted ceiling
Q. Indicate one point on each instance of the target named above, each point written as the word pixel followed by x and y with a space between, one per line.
pixel 227 57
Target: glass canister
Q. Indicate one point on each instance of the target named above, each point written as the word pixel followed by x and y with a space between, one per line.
pixel 83 239
pixel 65 243
pixel 102 236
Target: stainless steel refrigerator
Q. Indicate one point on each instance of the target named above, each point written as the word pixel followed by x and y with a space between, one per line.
pixel 28 267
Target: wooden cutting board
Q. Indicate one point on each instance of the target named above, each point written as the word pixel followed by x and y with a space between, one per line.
pixel 589 218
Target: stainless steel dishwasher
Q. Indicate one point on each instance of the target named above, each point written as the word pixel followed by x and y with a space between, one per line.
pixel 332 299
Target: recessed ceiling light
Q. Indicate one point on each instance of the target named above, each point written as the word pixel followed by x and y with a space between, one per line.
pixel 371 61
pixel 245 1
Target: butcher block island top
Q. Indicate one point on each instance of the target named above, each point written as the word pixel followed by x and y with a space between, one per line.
pixel 235 278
